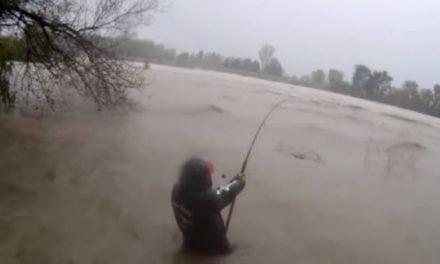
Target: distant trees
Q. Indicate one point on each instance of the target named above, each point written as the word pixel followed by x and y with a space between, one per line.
pixel 305 80
pixel 427 101
pixel 436 102
pixel 233 63
pixel 242 65
pixel 335 79
pixel 336 82
pixel 361 77
pixel 213 60
pixel 183 60
pixel 150 51
pixel 11 49
pixel 293 79
pixel 410 96
pixel 318 76
pixel 270 65
pixel 255 66
pixel 7 97
pixel 274 68
pixel 378 85
pixel 366 83
pixel 266 54
pixel 146 49
pixel 169 54
pixel 371 85
pixel 412 99
pixel 318 79
pixel 158 53
pixel 199 58
pixel 250 66
pixel 62 42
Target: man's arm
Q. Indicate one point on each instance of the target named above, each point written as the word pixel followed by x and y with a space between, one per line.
pixel 221 197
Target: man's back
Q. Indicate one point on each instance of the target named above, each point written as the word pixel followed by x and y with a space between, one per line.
pixel 202 226
pixel 197 207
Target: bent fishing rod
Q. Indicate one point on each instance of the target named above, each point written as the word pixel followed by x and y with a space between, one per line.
pixel 244 165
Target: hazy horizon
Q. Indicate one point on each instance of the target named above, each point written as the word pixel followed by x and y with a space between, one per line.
pixel 400 37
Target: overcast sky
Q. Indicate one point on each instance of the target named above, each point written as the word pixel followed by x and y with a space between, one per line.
pixel 400 36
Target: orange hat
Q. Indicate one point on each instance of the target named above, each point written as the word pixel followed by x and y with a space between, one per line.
pixel 210 166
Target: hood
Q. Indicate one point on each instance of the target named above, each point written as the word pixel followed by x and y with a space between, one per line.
pixel 195 175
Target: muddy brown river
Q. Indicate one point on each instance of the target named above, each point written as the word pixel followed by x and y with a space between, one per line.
pixel 332 179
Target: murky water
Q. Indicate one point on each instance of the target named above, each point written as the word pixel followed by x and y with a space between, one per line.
pixel 332 179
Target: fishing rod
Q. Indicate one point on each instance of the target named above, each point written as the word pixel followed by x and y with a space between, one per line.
pixel 244 165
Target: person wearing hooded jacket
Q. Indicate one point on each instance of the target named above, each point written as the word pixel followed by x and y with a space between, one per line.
pixel 197 207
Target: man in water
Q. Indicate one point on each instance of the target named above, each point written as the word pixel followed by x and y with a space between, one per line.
pixel 197 207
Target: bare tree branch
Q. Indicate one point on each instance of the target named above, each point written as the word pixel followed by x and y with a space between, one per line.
pixel 67 40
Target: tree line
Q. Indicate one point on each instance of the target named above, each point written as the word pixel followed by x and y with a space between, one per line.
pixel 365 83
pixel 376 86
pixel 149 51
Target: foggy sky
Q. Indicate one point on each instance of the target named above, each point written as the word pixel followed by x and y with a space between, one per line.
pixel 401 36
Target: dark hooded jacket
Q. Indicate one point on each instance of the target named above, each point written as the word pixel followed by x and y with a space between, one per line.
pixel 197 207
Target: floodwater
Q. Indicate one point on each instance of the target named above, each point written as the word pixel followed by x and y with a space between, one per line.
pixel 332 179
